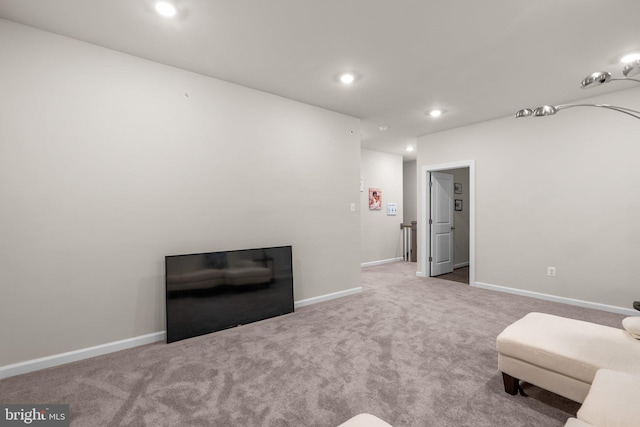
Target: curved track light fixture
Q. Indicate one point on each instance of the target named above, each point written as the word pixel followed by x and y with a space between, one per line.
pixel 593 80
pixel 550 110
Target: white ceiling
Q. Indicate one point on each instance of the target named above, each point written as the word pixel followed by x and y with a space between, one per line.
pixel 477 60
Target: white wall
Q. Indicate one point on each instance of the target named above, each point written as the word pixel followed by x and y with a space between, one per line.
pixel 106 166
pixel 558 191
pixel 381 236
pixel 410 191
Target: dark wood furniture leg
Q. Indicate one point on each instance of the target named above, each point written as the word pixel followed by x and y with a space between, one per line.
pixel 511 385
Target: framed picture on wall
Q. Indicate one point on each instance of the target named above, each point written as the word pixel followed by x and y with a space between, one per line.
pixel 458 205
pixel 457 188
pixel 375 199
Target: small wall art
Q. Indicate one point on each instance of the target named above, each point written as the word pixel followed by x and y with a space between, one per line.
pixel 375 198
pixel 392 209
pixel 458 205
pixel 457 188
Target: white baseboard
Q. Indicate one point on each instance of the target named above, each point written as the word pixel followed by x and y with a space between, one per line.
pixel 554 298
pixel 74 356
pixel 383 261
pixel 327 297
pixel 421 274
pixel 87 353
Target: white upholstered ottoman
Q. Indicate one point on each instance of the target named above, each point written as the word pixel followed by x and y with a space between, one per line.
pixel 562 355
pixel 364 420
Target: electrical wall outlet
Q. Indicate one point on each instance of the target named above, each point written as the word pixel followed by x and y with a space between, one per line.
pixel 551 271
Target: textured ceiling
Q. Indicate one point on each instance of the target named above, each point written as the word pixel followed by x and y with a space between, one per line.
pixel 477 60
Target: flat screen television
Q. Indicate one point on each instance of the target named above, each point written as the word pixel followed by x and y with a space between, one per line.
pixel 208 292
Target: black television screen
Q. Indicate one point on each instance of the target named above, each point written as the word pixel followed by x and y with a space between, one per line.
pixel 211 291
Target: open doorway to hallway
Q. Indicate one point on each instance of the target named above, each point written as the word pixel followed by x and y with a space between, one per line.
pixel 456 238
pixel 455 249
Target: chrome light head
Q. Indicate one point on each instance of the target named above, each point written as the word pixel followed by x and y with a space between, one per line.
pixel 525 112
pixel 596 79
pixel 632 68
pixel 545 110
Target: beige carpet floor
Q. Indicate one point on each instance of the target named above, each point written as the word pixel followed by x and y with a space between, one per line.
pixel 413 351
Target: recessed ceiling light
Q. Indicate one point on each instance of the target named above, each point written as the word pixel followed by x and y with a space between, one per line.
pixel 630 58
pixel 384 128
pixel 347 78
pixel 410 148
pixel 166 9
pixel 435 113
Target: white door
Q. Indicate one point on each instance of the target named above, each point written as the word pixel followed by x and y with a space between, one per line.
pixel 441 223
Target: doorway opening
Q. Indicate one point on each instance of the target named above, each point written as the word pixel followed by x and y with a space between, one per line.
pixel 448 221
